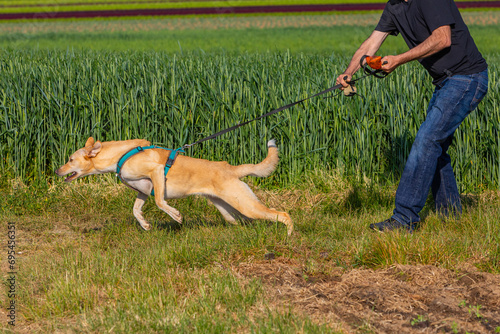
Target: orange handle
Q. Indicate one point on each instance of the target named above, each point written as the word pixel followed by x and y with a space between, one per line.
pixel 374 62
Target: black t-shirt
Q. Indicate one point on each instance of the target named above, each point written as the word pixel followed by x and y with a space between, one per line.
pixel 417 19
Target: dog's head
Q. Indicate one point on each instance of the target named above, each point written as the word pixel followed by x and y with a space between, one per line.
pixel 80 163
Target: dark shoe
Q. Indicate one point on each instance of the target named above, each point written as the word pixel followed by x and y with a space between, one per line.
pixel 391 224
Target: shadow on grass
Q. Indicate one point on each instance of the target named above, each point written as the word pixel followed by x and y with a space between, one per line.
pixel 469 201
pixel 190 223
pixel 116 225
pixel 361 198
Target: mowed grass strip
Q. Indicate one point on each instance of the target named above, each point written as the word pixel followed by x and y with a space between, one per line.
pixel 199 22
pixel 85 265
pixel 24 34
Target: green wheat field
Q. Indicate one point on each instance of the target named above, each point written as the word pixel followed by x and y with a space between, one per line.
pixel 83 265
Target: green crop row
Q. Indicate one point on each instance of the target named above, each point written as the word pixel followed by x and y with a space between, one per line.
pixel 51 101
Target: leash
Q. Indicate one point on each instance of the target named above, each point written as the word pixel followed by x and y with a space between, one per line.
pixel 234 127
pixel 373 62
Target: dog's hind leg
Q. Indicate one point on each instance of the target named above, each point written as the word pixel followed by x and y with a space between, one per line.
pixel 243 200
pixel 139 202
pixel 158 179
pixel 227 211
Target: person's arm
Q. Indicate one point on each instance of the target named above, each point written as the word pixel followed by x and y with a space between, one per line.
pixel 439 39
pixel 368 47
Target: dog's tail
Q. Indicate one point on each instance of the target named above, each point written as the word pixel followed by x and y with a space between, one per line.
pixel 265 167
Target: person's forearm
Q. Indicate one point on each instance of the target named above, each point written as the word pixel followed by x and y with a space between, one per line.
pixel 437 41
pixel 368 47
pixel 354 65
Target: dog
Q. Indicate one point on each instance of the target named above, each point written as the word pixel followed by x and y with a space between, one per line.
pixel 216 180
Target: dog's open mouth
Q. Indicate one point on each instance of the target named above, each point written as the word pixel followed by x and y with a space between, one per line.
pixel 71 177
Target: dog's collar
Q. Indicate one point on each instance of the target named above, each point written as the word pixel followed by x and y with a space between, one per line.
pixel 134 151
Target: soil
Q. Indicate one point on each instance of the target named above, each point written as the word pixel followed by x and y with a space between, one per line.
pixel 399 299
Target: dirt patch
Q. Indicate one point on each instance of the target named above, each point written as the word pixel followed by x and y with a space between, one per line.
pixel 399 299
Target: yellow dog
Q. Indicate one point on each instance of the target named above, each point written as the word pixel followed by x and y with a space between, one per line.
pixel 216 180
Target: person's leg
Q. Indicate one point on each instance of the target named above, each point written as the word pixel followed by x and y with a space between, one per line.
pixel 420 167
pixel 449 106
pixel 444 186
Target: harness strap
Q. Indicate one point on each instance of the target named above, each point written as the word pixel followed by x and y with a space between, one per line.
pixel 129 155
pixel 170 161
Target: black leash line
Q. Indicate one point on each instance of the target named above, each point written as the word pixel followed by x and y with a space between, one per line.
pixel 234 127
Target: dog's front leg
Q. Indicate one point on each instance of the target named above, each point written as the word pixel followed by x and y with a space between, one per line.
pixel 139 202
pixel 158 179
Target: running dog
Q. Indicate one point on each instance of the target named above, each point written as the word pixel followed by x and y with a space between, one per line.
pixel 216 180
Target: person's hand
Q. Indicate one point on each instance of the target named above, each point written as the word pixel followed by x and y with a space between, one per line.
pixel 389 63
pixel 344 80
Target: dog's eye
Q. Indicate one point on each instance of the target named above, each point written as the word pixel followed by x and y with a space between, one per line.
pixel 70 159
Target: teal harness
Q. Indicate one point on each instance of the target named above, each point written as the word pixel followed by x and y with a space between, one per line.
pixel 134 151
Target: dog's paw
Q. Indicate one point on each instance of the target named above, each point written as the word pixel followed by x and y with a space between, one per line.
pixel 176 215
pixel 145 226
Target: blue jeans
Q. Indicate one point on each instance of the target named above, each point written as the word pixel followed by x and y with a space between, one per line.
pixel 428 165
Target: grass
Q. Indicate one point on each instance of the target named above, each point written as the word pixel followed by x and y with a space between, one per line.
pixel 85 264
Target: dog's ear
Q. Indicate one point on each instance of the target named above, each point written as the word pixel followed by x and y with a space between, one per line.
pixel 90 142
pixel 93 150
